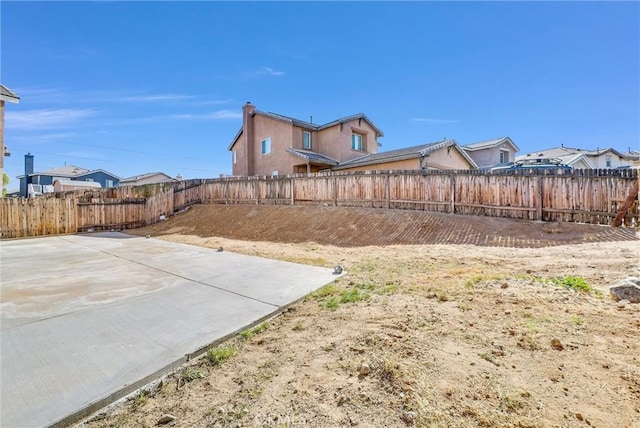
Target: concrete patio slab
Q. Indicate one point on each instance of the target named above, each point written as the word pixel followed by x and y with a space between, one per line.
pixel 89 318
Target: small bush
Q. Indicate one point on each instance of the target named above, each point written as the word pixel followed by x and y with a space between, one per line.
pixel 575 283
pixel 191 373
pixel 216 356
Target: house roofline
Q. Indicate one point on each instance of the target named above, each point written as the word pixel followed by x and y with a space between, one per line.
pixel 308 125
pixel 391 157
pixel 498 141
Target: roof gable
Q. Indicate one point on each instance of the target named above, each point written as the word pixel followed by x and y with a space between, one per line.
pixel 308 125
pixel 488 144
pixel 405 153
pixel 7 94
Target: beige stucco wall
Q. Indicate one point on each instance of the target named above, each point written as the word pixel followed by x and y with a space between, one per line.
pixel 600 161
pixel 407 164
pixel 336 142
pixel 443 159
pixel 491 156
pixel 281 134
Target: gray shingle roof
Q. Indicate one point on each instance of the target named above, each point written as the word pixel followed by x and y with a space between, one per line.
pixel 313 156
pixel 489 143
pixel 308 125
pixel 403 154
pixel 7 94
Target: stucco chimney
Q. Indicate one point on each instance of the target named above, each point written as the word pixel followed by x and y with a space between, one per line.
pixel 247 135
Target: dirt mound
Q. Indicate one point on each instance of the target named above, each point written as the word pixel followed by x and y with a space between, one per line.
pixel 347 227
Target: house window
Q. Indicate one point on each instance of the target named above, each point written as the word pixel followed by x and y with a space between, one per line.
pixel 265 146
pixel 234 156
pixel 274 173
pixel 504 156
pixel 88 179
pixel 607 160
pixel 109 183
pixel 356 141
pixel 306 140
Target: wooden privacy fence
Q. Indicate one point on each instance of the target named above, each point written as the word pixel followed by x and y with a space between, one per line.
pixel 587 196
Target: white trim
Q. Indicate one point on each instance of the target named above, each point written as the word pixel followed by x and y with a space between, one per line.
pixel 265 146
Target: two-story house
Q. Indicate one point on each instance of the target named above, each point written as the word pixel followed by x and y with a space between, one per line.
pixel 42 182
pixel 490 153
pixel 273 144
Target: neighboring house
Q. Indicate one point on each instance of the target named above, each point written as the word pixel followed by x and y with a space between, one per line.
pixel 148 178
pixel 606 158
pixel 9 96
pixel 633 157
pixel 499 151
pixel 272 144
pixel 70 172
pixel 432 156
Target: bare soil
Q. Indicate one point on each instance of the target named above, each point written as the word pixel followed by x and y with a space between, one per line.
pixel 441 321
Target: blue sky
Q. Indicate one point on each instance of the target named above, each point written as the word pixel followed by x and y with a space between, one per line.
pixel 135 87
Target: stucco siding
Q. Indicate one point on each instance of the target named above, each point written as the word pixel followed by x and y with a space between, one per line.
pixel 491 156
pixel 336 142
pixel 441 159
pixel 401 165
pixel 281 135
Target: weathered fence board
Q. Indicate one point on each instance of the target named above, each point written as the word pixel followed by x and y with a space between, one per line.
pixel 586 196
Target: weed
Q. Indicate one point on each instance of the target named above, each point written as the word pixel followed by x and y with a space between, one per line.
pixel 365 286
pixel 577 320
pixel 576 283
pixel 352 296
pixel 388 289
pixel 298 326
pixel 487 356
pixel 441 296
pixel 331 303
pixel 141 398
pixel 191 373
pixel 216 356
pixel 464 306
pixel 250 332
pixel 324 292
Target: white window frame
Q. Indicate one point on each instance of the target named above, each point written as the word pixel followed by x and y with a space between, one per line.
pixel 607 161
pixel 306 143
pixel 234 156
pixel 355 144
pixel 265 146
pixel 108 183
pixel 504 156
pixel 88 179
pixel 274 173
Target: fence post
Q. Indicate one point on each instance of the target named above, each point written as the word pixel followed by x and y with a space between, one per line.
pixel 387 191
pixel 293 201
pixel 539 197
pixel 335 191
pixel 453 193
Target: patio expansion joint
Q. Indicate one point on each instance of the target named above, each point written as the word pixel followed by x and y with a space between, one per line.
pixel 174 274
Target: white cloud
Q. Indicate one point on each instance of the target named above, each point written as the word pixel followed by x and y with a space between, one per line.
pixel 262 72
pixel 45 118
pixel 271 72
pixel 216 115
pixel 433 121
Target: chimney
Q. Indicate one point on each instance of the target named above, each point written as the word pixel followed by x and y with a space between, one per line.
pixel 28 170
pixel 247 135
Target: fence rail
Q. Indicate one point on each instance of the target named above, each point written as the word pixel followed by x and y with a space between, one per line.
pixel 586 196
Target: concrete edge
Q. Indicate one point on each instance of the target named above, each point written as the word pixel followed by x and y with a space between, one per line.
pixel 85 413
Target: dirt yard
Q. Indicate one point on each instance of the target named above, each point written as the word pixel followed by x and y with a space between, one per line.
pixel 441 321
